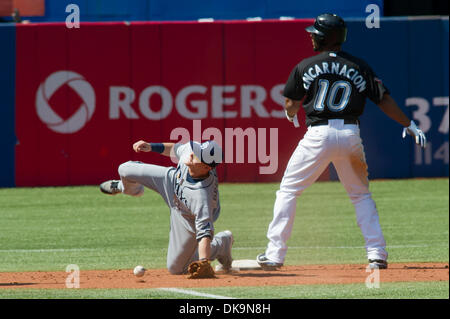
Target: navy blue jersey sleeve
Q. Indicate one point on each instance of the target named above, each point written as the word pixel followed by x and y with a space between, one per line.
pixel 376 87
pixel 294 89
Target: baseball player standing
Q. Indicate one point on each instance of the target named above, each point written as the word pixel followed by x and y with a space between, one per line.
pixel 332 86
pixel 191 192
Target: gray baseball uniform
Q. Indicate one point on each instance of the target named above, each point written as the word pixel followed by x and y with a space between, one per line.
pixel 194 205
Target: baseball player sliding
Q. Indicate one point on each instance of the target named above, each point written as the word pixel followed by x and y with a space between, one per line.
pixel 191 192
pixel 332 86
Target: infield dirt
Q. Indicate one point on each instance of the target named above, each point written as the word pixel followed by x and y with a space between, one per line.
pixel 288 275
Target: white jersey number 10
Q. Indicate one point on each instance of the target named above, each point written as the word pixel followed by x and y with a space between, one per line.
pixel 332 104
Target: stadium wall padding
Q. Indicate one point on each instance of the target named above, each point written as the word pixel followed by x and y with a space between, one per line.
pixel 182 10
pixel 85 95
pixel 7 93
pixel 411 57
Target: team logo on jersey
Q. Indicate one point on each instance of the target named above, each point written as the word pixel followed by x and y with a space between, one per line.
pixel 204 145
pixel 78 119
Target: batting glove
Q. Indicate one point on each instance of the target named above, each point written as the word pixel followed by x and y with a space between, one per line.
pixel 414 131
pixel 293 119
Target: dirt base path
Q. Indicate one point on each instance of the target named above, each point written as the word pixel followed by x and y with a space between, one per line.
pixel 288 275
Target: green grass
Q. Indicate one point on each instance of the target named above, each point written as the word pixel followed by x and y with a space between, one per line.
pixel 401 290
pixel 49 228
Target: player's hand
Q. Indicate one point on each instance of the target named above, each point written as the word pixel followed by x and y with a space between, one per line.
pixel 201 269
pixel 415 132
pixel 290 118
pixel 141 146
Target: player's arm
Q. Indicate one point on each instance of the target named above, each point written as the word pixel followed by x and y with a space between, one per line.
pixel 294 93
pixel 391 109
pixel 291 107
pixel 165 149
pixel 203 225
pixel 204 248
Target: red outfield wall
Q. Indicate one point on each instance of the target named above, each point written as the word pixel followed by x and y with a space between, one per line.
pixel 85 95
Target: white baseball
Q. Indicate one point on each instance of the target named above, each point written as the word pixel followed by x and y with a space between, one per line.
pixel 139 271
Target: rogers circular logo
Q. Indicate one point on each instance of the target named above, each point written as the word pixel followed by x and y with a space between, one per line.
pixel 77 120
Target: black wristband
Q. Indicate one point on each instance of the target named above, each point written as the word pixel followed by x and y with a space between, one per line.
pixel 157 147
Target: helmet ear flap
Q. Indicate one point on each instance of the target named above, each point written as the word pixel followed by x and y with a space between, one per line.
pixel 319 40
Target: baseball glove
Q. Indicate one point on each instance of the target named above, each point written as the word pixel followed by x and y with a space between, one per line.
pixel 201 269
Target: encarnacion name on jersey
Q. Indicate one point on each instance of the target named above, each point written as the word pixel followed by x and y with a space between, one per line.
pixel 335 68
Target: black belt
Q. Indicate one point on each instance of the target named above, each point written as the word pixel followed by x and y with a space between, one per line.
pixel 325 122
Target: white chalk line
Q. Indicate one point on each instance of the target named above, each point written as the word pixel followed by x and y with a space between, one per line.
pixel 68 250
pixel 194 293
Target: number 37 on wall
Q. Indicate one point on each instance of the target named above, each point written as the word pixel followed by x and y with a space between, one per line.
pixel 425 124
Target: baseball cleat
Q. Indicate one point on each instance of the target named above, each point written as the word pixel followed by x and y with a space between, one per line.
pixel 378 264
pixel 226 261
pixel 266 264
pixel 110 187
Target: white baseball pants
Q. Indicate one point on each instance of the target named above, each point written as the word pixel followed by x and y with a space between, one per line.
pixel 340 144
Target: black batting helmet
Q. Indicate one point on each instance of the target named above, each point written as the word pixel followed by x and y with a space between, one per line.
pixel 329 28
